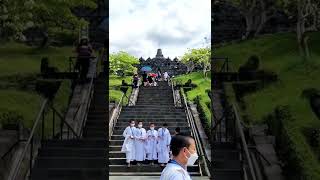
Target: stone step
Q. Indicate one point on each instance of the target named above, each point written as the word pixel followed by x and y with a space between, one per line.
pixel 155 103
pixel 70 162
pixel 227 174
pixel 149 119
pixel 187 132
pixel 142 115
pixel 144 167
pixel 143 174
pixel 72 152
pixel 157 124
pixel 223 146
pixel 80 143
pixel 69 173
pixel 172 128
pixel 151 109
pixel 227 164
pixel 129 113
pixel 226 154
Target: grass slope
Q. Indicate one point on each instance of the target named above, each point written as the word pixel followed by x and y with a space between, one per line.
pixel 279 53
pixel 18 60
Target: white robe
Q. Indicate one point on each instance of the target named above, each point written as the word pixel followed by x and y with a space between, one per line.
pixel 164 139
pixel 140 139
pixel 174 172
pixel 151 146
pixel 128 146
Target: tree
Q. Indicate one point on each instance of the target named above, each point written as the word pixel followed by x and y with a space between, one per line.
pixel 200 56
pixel 42 14
pixel 256 14
pixel 307 15
pixel 122 61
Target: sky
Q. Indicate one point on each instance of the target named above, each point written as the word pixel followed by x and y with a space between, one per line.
pixel 140 27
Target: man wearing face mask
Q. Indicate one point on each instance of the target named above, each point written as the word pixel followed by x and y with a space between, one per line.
pixel 184 154
pixel 128 146
pixel 140 136
pixel 151 145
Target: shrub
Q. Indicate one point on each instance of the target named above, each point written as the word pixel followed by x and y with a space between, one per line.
pixel 9 118
pixel 252 64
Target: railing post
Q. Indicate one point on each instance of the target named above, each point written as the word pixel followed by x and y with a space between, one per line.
pixel 31 157
pixel 42 133
pixel 53 123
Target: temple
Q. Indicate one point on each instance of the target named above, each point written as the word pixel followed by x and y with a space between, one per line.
pixel 173 67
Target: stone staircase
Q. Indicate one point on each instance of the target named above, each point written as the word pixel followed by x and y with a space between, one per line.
pixel 77 159
pixel 154 104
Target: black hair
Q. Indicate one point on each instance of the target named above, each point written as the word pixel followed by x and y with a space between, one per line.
pixel 165 125
pixel 178 142
pixel 130 121
pixel 177 129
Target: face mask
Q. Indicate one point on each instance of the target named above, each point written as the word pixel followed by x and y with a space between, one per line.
pixel 140 125
pixel 192 159
pixel 152 128
pixel 132 125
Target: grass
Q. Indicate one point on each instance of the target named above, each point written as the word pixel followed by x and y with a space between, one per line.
pixel 114 88
pixel 279 53
pixel 19 60
pixel 199 94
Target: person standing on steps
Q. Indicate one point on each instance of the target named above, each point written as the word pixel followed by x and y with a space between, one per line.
pixel 166 76
pixel 164 139
pixel 128 146
pixel 140 138
pixel 135 81
pixel 144 78
pixel 151 146
pixel 184 154
pixel 84 51
pixel 150 80
pixel 177 131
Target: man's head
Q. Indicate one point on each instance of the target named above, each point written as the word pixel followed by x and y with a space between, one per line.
pixel 165 125
pixel 152 126
pixel 177 130
pixel 132 123
pixel 184 149
pixel 140 124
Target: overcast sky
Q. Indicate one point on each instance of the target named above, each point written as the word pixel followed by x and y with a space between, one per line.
pixel 140 27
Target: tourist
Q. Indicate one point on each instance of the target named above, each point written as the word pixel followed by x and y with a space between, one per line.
pixel 135 81
pixel 177 131
pixel 151 146
pixel 144 79
pixel 140 138
pixel 150 80
pixel 159 75
pixel 184 154
pixel 166 76
pixel 128 146
pixel 84 51
pixel 163 148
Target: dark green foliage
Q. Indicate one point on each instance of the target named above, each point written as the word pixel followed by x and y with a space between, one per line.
pixel 47 88
pixel 10 119
pixel 252 64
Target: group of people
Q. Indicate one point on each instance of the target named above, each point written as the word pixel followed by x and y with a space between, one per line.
pixel 151 145
pixel 152 78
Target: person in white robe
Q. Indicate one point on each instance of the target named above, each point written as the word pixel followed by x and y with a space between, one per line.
pixel 128 146
pixel 151 145
pixel 166 76
pixel 140 139
pixel 163 146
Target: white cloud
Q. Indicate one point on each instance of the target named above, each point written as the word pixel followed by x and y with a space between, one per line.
pixel 140 27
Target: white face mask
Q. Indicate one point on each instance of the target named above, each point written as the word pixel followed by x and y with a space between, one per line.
pixel 192 159
pixel 152 128
pixel 140 125
pixel 132 125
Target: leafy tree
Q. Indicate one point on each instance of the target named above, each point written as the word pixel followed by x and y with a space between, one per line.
pixel 42 14
pixel 256 14
pixel 122 62
pixel 307 15
pixel 200 57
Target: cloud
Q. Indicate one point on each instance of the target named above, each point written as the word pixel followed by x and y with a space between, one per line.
pixel 140 27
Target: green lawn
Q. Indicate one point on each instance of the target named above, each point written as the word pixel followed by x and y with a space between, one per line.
pixel 114 87
pixel 20 62
pixel 279 53
pixel 199 94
